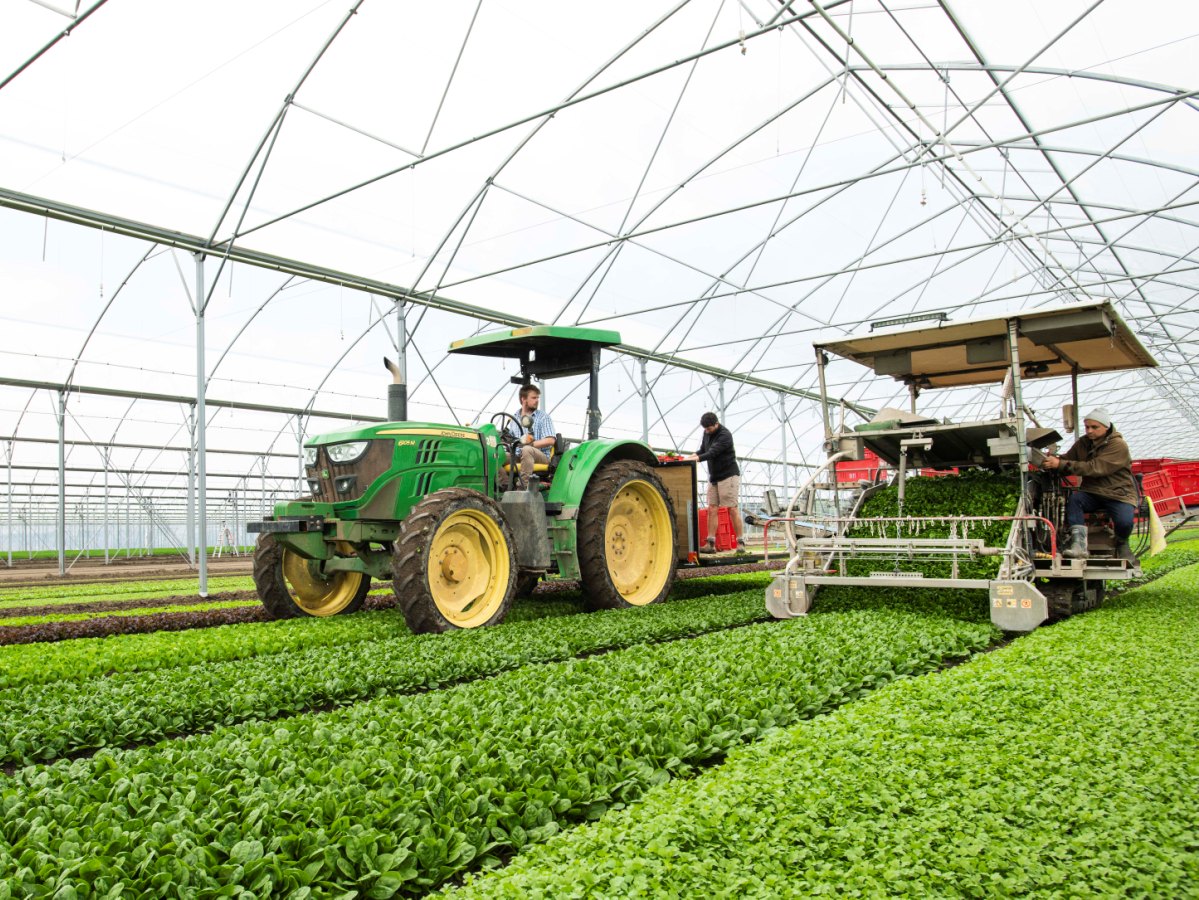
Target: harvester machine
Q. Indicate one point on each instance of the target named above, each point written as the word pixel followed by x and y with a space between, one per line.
pixel 1028 581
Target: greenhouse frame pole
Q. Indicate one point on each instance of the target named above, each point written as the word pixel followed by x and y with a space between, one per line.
pixel 201 425
pixel 10 504
pixel 644 404
pixel 783 444
pixel 191 486
pixel 62 483
pixel 106 506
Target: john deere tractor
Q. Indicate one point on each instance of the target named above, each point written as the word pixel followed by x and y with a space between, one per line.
pixel 423 504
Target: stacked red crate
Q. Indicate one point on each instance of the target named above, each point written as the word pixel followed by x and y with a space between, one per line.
pixel 725 538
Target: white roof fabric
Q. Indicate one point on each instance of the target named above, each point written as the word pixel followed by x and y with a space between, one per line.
pixel 722 183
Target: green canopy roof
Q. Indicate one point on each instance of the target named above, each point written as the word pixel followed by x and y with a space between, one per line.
pixel 515 343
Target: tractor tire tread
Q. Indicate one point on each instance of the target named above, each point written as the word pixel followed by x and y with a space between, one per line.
pixel 410 564
pixel 272 586
pixel 598 590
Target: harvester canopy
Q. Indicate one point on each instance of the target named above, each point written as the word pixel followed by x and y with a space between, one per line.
pixel 1079 339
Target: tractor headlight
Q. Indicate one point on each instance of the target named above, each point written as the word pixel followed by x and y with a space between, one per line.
pixel 346 453
pixel 310 456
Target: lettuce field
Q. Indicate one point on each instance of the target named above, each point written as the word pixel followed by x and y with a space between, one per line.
pixel 889 744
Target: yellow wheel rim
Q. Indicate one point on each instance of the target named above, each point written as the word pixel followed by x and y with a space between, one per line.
pixel 317 593
pixel 637 543
pixel 469 568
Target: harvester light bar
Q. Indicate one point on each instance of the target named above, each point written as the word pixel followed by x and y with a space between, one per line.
pixel 905 320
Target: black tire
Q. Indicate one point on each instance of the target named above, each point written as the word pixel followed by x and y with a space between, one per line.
pixel 626 538
pixel 463 534
pixel 526 583
pixel 340 594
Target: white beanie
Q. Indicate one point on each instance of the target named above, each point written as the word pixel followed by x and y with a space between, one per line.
pixel 1099 415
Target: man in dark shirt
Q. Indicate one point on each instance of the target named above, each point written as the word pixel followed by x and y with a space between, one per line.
pixel 724 477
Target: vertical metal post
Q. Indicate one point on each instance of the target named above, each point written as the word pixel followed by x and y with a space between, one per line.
pixel 1018 396
pixel 644 404
pixel 593 411
pixel 821 362
pixel 1074 398
pixel 191 486
pixel 720 394
pixel 10 504
pixel 201 423
pixel 913 393
pixel 402 338
pixel 300 483
pixel 783 441
pixel 62 483
pixel 106 541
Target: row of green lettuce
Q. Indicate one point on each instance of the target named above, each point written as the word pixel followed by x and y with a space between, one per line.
pixel 1065 764
pixel 403 793
pixel 84 658
pixel 43 722
pixel 28 595
pixel 178 684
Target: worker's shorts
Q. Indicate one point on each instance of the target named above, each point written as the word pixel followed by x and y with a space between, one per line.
pixel 724 492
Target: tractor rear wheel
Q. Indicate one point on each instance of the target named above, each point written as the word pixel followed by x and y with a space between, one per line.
pixel 626 538
pixel 291 586
pixel 453 563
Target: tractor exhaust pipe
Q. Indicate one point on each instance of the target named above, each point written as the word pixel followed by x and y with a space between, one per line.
pixel 397 394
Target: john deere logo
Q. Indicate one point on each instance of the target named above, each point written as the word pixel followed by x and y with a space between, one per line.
pixel 324 473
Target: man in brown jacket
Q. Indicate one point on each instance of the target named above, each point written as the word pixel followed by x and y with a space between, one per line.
pixel 1103 460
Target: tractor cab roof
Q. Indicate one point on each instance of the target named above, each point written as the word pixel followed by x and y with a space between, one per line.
pixel 544 351
pixel 1081 338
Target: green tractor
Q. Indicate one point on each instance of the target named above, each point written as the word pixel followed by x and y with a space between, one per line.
pixel 421 504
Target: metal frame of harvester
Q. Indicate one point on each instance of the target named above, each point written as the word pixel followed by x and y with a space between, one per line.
pixel 1033 582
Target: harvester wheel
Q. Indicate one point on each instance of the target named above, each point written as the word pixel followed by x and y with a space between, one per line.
pixel 626 538
pixel 453 563
pixel 1067 597
pixel 290 585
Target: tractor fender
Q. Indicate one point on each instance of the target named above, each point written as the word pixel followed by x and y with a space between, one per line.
pixel 580 463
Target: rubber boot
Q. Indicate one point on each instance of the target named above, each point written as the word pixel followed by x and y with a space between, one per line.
pixel 1124 552
pixel 1078 543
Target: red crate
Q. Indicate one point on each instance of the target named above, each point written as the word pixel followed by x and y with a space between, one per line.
pixel 1145 466
pixel 726 539
pixel 1184 479
pixel 1157 487
pixel 866 469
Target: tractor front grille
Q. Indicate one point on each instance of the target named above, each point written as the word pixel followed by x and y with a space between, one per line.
pixel 326 477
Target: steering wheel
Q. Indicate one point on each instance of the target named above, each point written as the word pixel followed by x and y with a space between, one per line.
pixel 504 419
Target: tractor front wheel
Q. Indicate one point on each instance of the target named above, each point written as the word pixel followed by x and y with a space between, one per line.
pixel 626 538
pixel 291 586
pixel 453 563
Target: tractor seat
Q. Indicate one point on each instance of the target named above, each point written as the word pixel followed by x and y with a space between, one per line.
pixel 554 452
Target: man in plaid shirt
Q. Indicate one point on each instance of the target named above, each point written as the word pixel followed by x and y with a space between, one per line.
pixel 535 447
